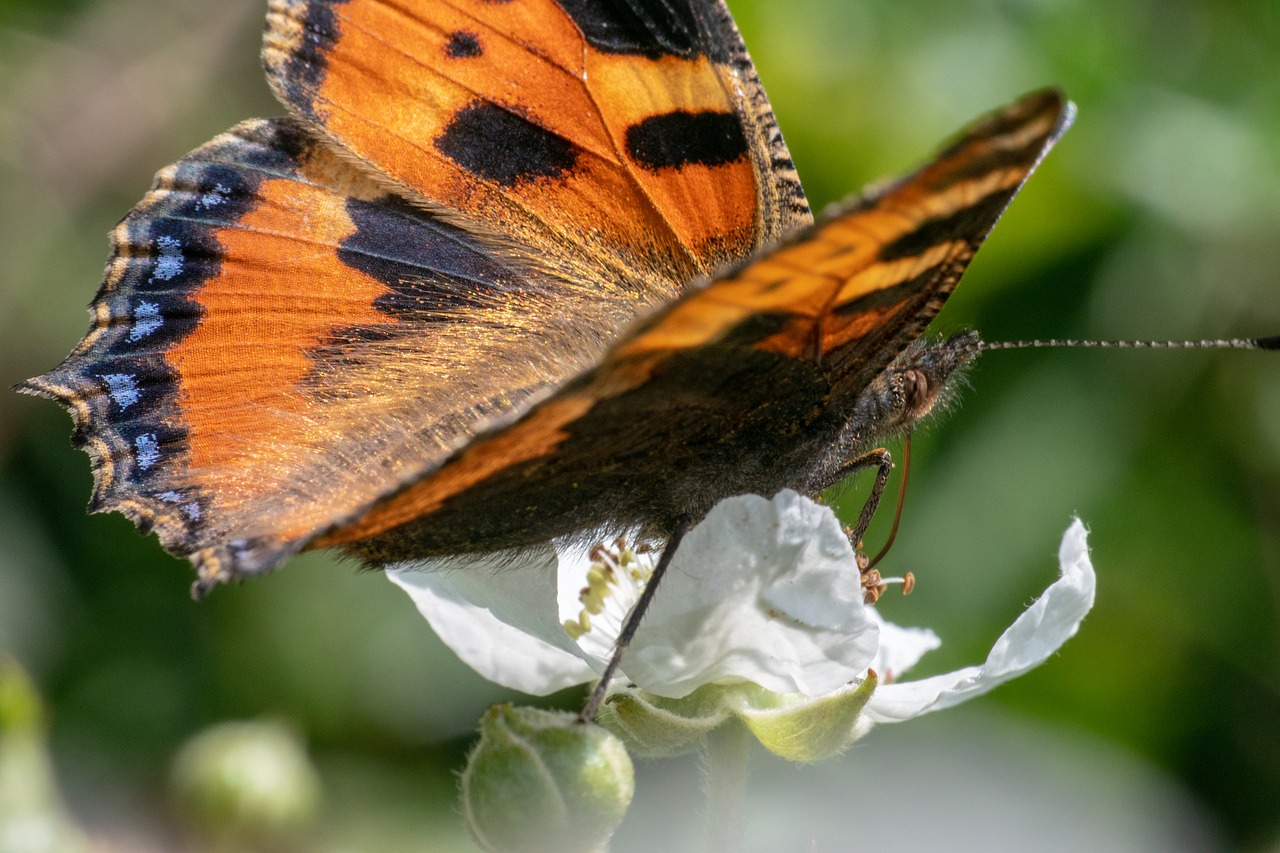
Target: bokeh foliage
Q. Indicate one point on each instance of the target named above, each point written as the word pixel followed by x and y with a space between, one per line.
pixel 1157 216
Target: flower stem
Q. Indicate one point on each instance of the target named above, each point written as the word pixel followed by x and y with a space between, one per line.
pixel 724 776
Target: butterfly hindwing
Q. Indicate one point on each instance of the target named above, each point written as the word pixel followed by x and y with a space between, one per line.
pixel 277 337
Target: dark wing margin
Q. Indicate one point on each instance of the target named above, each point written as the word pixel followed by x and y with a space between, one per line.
pixel 121 391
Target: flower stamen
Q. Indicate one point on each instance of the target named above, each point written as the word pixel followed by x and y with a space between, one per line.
pixel 617 575
pixel 874 584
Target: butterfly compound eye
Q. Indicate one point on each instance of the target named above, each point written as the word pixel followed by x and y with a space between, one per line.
pixel 917 394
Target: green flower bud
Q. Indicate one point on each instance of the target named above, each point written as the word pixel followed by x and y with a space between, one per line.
pixel 540 780
pixel 20 706
pixel 246 779
pixel 32 816
pixel 805 729
pixel 658 726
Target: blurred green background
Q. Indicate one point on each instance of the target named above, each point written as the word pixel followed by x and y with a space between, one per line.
pixel 1158 727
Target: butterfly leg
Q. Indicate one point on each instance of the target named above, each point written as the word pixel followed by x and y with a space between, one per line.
pixel 632 624
pixel 882 459
pixel 873 583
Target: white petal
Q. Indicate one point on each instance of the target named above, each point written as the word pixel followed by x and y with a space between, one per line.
pixel 900 648
pixel 1038 633
pixel 761 591
pixel 498 613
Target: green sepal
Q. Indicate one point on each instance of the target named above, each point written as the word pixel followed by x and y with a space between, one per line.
pixel 805 729
pixel 657 726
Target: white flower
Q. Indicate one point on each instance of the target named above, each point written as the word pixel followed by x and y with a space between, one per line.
pixel 762 591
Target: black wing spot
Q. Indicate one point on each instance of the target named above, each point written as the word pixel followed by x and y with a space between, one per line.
pixel 681 138
pixel 463 45
pixel 430 268
pixel 496 144
pixel 645 29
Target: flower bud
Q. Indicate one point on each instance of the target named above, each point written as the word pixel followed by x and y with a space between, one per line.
pixel 20 706
pixel 540 780
pixel 32 816
pixel 246 779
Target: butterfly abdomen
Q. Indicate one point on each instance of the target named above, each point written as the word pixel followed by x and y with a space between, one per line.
pixel 758 426
pixel 703 425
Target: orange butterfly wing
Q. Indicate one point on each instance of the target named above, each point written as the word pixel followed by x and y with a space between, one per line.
pixel 286 333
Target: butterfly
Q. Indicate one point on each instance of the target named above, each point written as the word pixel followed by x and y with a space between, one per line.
pixel 509 270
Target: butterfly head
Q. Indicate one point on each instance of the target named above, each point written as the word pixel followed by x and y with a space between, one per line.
pixel 922 378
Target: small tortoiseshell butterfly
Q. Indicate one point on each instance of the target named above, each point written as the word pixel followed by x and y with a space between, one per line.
pixel 511 269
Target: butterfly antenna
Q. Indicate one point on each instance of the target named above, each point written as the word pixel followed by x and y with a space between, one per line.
pixel 902 494
pixel 1270 343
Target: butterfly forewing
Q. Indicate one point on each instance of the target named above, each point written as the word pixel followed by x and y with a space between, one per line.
pixel 749 384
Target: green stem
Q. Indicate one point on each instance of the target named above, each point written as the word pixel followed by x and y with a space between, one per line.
pixel 724 775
